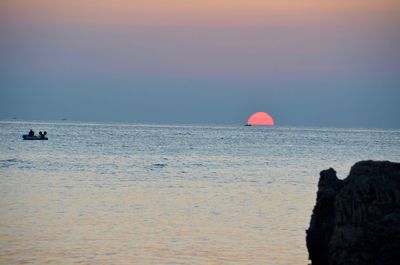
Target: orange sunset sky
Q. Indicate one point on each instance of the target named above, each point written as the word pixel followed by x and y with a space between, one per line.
pixel 253 49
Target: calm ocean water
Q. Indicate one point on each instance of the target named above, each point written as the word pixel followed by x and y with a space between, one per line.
pixel 165 194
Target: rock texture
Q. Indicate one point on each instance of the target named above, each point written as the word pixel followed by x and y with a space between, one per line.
pixel 356 221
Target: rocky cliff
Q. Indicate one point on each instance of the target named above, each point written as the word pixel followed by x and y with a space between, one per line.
pixel 356 221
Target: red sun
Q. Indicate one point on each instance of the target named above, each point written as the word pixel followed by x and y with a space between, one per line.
pixel 260 119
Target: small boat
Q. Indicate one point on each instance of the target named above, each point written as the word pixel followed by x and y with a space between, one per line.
pixel 34 137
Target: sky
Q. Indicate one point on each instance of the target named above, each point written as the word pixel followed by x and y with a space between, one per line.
pixel 305 62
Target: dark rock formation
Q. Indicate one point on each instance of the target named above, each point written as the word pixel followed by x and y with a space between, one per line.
pixel 356 221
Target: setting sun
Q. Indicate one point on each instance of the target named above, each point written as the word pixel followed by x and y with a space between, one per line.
pixel 260 119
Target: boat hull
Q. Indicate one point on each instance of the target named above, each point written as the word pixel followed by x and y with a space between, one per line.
pixel 35 137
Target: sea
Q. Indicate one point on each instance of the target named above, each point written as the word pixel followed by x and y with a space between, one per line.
pixel 115 193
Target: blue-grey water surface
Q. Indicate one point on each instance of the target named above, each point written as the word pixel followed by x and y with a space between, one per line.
pixel 168 194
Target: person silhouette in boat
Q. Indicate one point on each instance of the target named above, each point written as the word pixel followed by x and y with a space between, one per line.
pixel 41 135
pixel 31 133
